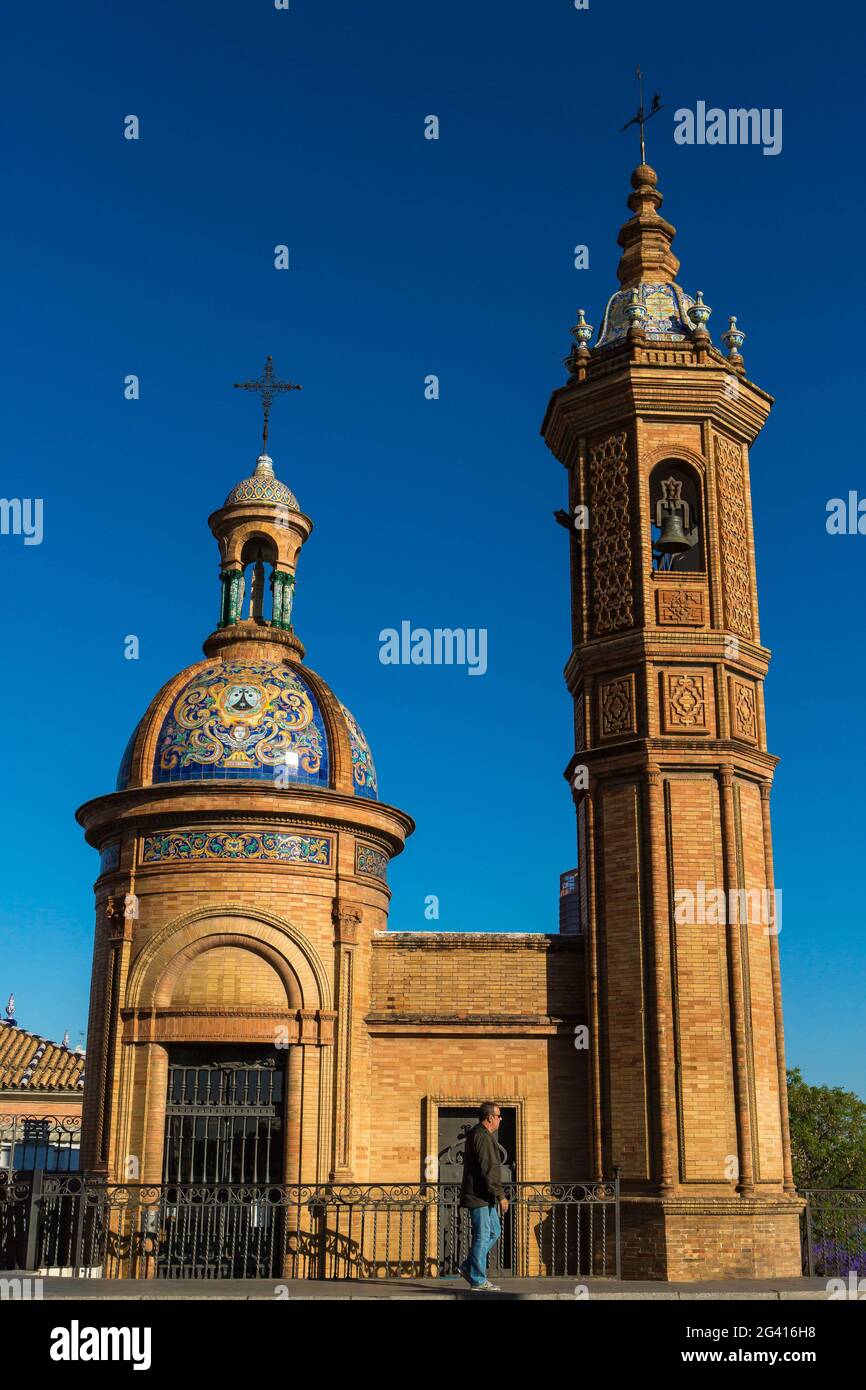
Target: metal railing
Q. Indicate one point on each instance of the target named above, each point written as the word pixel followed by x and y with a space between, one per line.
pixel 834 1232
pixel 40 1141
pixel 54 1222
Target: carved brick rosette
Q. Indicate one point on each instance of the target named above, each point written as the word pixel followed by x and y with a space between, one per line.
pixel 734 536
pixel 680 607
pixel 744 710
pixel 610 530
pixel 685 702
pixel 616 707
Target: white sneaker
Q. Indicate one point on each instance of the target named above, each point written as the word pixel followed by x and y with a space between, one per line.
pixel 486 1287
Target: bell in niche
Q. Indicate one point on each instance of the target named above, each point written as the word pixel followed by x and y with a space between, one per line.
pixel 673 539
pixel 673 518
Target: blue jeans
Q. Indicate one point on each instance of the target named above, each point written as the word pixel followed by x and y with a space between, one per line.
pixel 485 1233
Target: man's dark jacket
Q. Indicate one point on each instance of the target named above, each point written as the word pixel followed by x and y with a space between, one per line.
pixel 482 1176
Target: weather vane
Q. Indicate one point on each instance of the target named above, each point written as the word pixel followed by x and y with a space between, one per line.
pixel 642 117
pixel 267 387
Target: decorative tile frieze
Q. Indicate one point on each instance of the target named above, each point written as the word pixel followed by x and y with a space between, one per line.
pixel 681 607
pixel 744 709
pixel 246 847
pixel 687 702
pixel 371 861
pixel 616 707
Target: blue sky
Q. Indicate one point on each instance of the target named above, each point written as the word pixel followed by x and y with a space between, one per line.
pixel 408 257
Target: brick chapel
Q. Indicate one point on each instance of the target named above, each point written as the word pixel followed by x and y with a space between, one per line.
pixel 242 899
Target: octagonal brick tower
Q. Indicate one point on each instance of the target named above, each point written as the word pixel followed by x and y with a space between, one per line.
pixel 243 870
pixel 671 776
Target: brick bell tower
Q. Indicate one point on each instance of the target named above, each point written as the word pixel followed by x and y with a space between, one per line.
pixel 672 777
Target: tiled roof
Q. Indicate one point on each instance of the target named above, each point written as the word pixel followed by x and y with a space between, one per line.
pixel 31 1063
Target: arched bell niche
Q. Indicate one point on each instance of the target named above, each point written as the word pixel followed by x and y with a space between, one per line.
pixel 257 556
pixel 257 590
pixel 676 517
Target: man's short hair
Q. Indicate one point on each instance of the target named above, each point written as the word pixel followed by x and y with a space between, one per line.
pixel 486 1109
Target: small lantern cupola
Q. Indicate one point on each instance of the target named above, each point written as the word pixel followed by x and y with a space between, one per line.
pixel 259 528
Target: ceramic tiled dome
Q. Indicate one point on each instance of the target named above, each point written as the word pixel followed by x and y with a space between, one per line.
pixel 247 720
pixel 666 306
pixel 263 486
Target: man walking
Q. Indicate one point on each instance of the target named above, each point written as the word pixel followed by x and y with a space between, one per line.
pixel 482 1193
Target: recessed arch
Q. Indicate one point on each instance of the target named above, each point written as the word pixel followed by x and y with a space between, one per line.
pixel 227 945
pixel 275 939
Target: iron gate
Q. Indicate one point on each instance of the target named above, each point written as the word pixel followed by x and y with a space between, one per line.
pixel 223 1146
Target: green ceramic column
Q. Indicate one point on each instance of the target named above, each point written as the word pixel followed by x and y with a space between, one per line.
pixel 288 596
pixel 225 597
pixel 235 582
pixel 277 591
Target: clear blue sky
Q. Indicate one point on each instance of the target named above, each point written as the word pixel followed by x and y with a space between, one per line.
pixel 408 257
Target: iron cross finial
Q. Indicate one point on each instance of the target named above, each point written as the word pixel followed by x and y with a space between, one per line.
pixel 267 387
pixel 642 117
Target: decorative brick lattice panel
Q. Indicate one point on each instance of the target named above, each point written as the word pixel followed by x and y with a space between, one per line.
pixel 579 723
pixel 686 702
pixel 616 703
pixel 613 590
pixel 681 607
pixel 734 536
pixel 744 712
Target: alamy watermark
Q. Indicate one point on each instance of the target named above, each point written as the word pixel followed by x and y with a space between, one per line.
pixel 438 646
pixel 22 516
pixel 737 126
pixel 846 516
pixel 705 905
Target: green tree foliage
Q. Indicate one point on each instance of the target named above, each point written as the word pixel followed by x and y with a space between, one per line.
pixel 828 1134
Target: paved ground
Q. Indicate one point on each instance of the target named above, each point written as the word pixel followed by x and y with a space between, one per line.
pixel 430 1289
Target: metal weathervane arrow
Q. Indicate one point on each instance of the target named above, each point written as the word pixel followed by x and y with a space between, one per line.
pixel 642 116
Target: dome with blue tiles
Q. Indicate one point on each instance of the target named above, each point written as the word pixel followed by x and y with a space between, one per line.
pixel 263 486
pixel 665 313
pixel 247 720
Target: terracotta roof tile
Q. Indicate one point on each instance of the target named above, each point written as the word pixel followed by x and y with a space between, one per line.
pixel 31 1063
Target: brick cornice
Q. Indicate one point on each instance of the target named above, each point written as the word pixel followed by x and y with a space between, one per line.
pixel 624 385
pixel 220 803
pixel 484 941
pixel 711 1205
pixel 674 753
pixel 504 1025
pixel 644 644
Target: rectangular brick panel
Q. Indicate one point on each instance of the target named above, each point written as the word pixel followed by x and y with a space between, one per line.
pixel 767 1121
pixel 627 1061
pixel 705 1079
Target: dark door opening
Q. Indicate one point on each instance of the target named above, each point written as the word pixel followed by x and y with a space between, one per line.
pixel 455 1235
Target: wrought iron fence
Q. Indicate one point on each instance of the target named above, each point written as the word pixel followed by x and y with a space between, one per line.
pixel 56 1221
pixel 40 1141
pixel 834 1232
